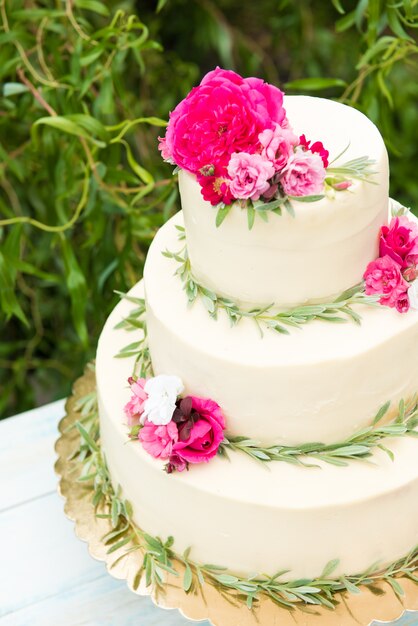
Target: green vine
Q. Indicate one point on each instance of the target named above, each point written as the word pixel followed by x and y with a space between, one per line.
pixel 337 311
pixel 160 559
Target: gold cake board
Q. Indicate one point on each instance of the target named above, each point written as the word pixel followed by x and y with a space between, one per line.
pixel 354 610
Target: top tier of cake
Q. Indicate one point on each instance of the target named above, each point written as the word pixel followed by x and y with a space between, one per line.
pixel 313 256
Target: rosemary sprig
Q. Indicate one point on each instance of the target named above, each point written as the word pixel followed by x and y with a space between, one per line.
pixel 159 559
pixel 337 311
pixel 357 447
pixel 139 348
pixel 359 169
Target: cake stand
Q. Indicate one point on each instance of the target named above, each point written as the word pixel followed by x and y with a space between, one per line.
pixel 353 610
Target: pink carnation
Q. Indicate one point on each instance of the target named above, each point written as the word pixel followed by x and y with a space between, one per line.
pixel 223 115
pixel 158 440
pixel 383 276
pixel 303 175
pixel 206 434
pixel 399 240
pixel 135 407
pixel 278 144
pixel 249 174
pixel 317 147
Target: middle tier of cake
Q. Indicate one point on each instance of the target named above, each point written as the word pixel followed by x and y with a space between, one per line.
pixel 247 516
pixel 321 383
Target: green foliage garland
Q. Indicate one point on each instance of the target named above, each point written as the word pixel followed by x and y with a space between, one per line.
pixel 338 311
pixel 160 559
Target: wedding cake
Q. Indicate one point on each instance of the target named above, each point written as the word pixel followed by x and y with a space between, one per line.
pixel 265 411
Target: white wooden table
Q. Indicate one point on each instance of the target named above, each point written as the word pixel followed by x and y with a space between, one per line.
pixel 47 577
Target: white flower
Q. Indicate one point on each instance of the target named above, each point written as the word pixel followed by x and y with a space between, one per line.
pixel 162 393
pixel 413 295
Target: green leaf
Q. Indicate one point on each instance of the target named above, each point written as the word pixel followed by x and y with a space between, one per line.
pixel 381 45
pixel 345 22
pixel 381 412
pixel 222 213
pixel 187 578
pixel 90 124
pixel 306 198
pixel 268 206
pixel 77 288
pixel 227 579
pixel 13 89
pixel 396 586
pixel 87 438
pixel 329 568
pixel 396 25
pixel 91 56
pixel 351 588
pixel 119 544
pixel 64 125
pixel 208 303
pixel 93 5
pixel 9 302
pixel 337 4
pixel 141 172
pixel 315 84
pixel 250 216
pixel 161 4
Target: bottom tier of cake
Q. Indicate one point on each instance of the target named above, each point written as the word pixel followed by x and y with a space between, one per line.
pixel 255 518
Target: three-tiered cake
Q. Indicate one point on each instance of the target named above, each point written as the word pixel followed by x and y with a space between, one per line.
pixel 277 243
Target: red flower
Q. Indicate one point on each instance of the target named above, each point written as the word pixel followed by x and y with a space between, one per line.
pixel 215 186
pixel 318 147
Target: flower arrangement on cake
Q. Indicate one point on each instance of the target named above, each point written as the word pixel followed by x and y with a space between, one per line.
pixel 393 275
pixel 232 133
pixel 180 430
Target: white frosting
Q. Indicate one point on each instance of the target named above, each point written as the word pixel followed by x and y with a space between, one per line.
pixel 320 383
pixel 253 519
pixel 319 253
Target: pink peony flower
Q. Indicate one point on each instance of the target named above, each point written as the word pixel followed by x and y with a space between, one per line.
pixel 317 147
pixel 215 187
pixel 267 101
pixel 158 440
pixel 165 152
pixel 383 276
pixel 249 174
pixel 303 175
pixel 135 407
pixel 278 144
pixel 204 436
pixel 223 115
pixel 400 241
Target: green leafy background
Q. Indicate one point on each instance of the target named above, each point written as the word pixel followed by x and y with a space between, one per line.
pixel 85 90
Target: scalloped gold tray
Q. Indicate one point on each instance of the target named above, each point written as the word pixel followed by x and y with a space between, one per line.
pixel 354 610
